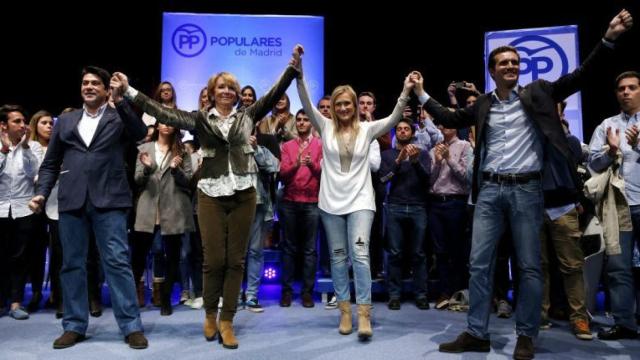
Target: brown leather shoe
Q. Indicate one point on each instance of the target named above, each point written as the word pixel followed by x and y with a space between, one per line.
pixel 136 340
pixel 307 300
pixel 285 299
pixel 68 339
pixel 524 348
pixel 465 342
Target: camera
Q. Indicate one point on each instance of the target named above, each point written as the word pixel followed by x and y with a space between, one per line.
pixel 460 85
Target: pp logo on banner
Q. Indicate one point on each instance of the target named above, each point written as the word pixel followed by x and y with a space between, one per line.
pixel 540 55
pixel 189 40
pixel 545 53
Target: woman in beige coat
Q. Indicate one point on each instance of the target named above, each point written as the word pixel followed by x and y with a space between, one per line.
pixel 163 171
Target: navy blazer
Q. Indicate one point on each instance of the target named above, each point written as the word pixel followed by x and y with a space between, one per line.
pixel 539 100
pixel 97 170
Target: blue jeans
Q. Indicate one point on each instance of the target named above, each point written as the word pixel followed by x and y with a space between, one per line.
pixel 406 222
pixel 300 221
pixel 348 238
pixel 621 285
pixel 110 229
pixel 522 206
pixel 255 256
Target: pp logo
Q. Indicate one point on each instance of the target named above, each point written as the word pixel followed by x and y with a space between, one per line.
pixel 540 55
pixel 189 40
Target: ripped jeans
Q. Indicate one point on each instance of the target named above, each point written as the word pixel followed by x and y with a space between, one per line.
pixel 348 239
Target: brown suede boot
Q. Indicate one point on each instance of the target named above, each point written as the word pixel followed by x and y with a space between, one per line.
pixel 345 327
pixel 140 293
pixel 227 338
pixel 364 322
pixel 210 326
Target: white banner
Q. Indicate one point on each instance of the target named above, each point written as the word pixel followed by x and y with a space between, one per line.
pixel 545 53
pixel 255 48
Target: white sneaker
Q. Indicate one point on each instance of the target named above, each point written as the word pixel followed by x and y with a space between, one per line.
pixel 332 304
pixel 197 303
pixel 189 302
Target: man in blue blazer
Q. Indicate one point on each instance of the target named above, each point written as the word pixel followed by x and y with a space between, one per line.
pixel 520 151
pixel 86 154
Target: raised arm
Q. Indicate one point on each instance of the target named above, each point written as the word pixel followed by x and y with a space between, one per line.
pixel 317 119
pixel 457 119
pixel 136 130
pixel 382 126
pixel 597 60
pixel 173 117
pixel 260 108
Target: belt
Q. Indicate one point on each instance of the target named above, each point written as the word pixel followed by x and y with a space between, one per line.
pixel 447 197
pixel 511 178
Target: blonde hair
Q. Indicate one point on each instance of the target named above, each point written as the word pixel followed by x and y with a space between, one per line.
pixel 33 124
pixel 228 80
pixel 355 120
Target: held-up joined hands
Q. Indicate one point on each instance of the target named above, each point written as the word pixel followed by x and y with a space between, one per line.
pixel 119 84
pixel 410 82
pixel 418 81
pixel 296 59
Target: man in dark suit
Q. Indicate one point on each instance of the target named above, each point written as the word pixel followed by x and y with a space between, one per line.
pixel 521 151
pixel 86 152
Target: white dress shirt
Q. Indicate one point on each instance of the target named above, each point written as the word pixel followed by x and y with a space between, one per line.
pixel 89 123
pixel 18 170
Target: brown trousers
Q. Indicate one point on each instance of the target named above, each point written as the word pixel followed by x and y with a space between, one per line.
pixel 224 227
pixel 564 235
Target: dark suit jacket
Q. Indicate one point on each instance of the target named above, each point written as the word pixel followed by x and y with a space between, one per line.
pixel 96 171
pixel 539 100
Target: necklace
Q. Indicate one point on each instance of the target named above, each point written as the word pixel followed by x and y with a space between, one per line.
pixel 347 139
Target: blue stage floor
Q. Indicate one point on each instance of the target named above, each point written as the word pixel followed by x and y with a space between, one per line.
pixel 295 333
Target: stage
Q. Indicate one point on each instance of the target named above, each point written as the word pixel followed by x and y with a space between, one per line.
pixel 295 333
